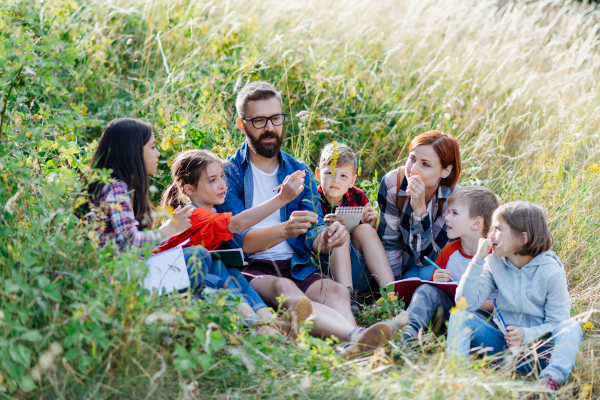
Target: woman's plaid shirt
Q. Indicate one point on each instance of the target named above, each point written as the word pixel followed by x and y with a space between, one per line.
pixel 405 243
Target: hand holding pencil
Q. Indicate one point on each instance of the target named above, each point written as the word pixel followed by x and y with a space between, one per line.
pixel 292 186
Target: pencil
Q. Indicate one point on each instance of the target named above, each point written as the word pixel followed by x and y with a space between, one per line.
pixel 431 262
pixel 500 314
pixel 294 176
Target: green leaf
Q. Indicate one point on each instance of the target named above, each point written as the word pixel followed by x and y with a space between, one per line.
pixel 182 364
pixel 20 354
pixel 217 341
pixel 181 351
pixel 27 384
pixel 31 336
pixel 72 354
pixel 205 361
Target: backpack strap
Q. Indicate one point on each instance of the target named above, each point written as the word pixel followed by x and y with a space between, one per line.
pixel 400 200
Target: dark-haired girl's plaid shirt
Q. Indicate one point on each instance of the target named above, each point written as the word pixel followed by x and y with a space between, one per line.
pixel 405 243
pixel 117 221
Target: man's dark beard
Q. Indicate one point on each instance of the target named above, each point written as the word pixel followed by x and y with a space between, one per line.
pixel 267 150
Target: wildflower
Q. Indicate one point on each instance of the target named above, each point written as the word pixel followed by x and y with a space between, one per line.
pixel 461 304
pixel 392 296
pixel 380 300
pixel 588 326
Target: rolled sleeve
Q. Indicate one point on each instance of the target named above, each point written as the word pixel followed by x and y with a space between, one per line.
pixel 389 221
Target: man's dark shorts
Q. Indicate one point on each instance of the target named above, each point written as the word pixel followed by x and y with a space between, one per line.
pixel 280 269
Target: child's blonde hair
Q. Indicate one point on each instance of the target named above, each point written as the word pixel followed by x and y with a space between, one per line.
pixel 345 156
pixel 187 168
pixel 523 216
pixel 480 201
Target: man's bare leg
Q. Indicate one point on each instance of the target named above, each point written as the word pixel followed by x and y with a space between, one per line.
pixel 333 295
pixel 328 322
pixel 364 237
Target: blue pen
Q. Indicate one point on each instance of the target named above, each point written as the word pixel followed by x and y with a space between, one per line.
pixel 431 262
pixel 500 314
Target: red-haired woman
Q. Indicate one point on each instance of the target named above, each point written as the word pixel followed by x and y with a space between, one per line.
pixel 412 201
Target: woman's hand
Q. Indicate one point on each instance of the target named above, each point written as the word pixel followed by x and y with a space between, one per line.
pixel 369 215
pixel 416 191
pixel 483 248
pixel 179 222
pixel 293 185
pixel 514 336
pixel 441 275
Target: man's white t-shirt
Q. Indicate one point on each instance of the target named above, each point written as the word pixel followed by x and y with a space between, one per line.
pixel 263 190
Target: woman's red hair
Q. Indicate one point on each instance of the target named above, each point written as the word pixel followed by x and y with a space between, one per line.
pixel 447 149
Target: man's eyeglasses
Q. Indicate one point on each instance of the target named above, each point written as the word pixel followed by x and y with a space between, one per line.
pixel 261 122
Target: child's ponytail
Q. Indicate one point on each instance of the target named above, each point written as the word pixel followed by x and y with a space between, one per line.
pixel 172 197
pixel 187 168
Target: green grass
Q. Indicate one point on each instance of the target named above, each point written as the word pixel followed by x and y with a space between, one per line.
pixel 514 82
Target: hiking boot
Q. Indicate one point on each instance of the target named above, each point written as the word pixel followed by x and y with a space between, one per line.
pixel 355 305
pixel 399 322
pixel 297 314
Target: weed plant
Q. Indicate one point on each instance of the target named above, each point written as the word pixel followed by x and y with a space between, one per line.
pixel 514 81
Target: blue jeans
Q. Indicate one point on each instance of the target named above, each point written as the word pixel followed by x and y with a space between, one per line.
pixel 424 272
pixel 206 272
pixel 467 331
pixel 361 276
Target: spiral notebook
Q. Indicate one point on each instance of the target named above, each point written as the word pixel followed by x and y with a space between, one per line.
pixel 352 216
pixel 167 271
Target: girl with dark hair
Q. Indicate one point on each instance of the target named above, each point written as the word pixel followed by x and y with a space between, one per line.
pixel 413 207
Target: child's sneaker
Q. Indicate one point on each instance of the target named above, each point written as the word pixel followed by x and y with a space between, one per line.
pixel 297 314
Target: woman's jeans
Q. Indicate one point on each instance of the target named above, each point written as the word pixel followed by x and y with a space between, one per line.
pixel 206 272
pixel 467 331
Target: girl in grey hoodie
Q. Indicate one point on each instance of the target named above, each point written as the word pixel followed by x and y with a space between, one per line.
pixel 532 295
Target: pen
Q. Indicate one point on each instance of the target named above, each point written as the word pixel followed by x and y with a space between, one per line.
pixel 500 314
pixel 294 176
pixel 431 262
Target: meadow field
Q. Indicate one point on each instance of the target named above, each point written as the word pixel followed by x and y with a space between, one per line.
pixel 517 82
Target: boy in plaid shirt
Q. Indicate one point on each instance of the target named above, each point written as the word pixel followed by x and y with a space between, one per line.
pixel 337 189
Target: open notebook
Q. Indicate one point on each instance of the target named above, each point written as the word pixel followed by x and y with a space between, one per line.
pixel 406 287
pixel 167 271
pixel 352 216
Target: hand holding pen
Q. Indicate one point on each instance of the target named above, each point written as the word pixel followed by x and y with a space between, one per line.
pixel 440 275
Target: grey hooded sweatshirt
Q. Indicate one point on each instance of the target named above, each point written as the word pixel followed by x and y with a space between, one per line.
pixel 534 298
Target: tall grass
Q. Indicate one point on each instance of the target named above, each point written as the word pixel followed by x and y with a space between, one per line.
pixel 515 82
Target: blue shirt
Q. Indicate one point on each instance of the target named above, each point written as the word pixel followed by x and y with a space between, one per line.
pixel 240 189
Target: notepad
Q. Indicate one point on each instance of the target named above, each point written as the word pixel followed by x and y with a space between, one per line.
pixel 167 272
pixel 405 288
pixel 352 216
pixel 229 257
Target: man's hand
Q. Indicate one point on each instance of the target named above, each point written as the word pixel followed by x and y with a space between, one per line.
pixel 331 218
pixel 334 236
pixel 369 215
pixel 293 185
pixel 483 248
pixel 441 275
pixel 299 223
pixel 514 337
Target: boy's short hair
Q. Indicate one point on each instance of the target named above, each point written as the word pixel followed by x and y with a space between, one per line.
pixel 523 216
pixel 257 90
pixel 345 155
pixel 480 201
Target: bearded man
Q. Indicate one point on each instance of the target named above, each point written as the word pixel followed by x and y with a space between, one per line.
pixel 283 249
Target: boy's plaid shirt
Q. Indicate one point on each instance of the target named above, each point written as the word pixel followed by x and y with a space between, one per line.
pixel 118 222
pixel 405 244
pixel 354 197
